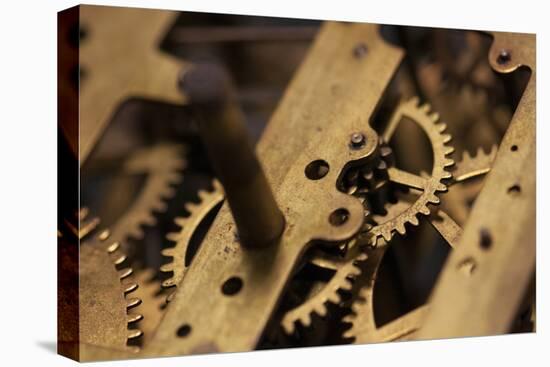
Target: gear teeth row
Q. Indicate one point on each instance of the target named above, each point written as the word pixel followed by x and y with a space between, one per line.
pixel 342 280
pixel 158 188
pixel 128 287
pixel 175 267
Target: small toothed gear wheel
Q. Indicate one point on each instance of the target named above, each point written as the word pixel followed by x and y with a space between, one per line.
pixel 431 185
pixel 198 212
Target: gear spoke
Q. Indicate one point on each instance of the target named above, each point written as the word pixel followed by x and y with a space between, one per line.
pixel 407 179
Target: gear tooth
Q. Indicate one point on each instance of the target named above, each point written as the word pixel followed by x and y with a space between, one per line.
pixel 448 163
pixel 130 287
pixel 119 260
pixel 190 207
pixel 168 283
pixel 133 349
pixel 352 190
pixel 174 178
pixel 426 108
pixel 133 318
pixel 382 165
pixel 150 220
pixel 442 127
pixel 349 318
pixel 104 235
pixel 203 195
pixel 353 272
pixel 288 327
pixel 446 138
pixel 401 229
pixel 180 221
pixel 170 297
pixel 160 206
pixel 346 286
pixel 415 101
pixel 361 258
pixel 385 151
pixel 132 302
pixel 113 247
pixel 369 175
pixel 434 116
pixel 167 268
pixel 424 210
pixel 414 220
pixel 306 320
pixel 168 192
pixel 125 273
pixel 168 252
pixel 348 334
pixel 449 150
pixel 442 187
pixel 434 199
pixel 446 175
pixel 173 236
pixel 333 298
pixel 322 310
pixel 480 152
pixel 134 333
pixel 387 235
pixel 137 233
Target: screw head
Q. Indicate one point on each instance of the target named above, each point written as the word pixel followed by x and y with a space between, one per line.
pixel 357 140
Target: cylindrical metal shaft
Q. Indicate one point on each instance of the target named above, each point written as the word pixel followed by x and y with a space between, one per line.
pixel 222 127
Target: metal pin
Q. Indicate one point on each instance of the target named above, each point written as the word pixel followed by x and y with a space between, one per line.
pixel 221 123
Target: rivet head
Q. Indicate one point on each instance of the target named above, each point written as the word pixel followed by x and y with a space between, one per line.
pixel 357 140
pixel 504 57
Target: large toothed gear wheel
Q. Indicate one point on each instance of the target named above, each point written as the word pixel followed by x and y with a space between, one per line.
pixel 105 298
pixel 162 164
pixel 430 185
pixel 198 212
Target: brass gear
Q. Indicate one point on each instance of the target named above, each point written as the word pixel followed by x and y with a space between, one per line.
pixel 209 200
pixel 162 163
pixel 363 328
pixel 431 185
